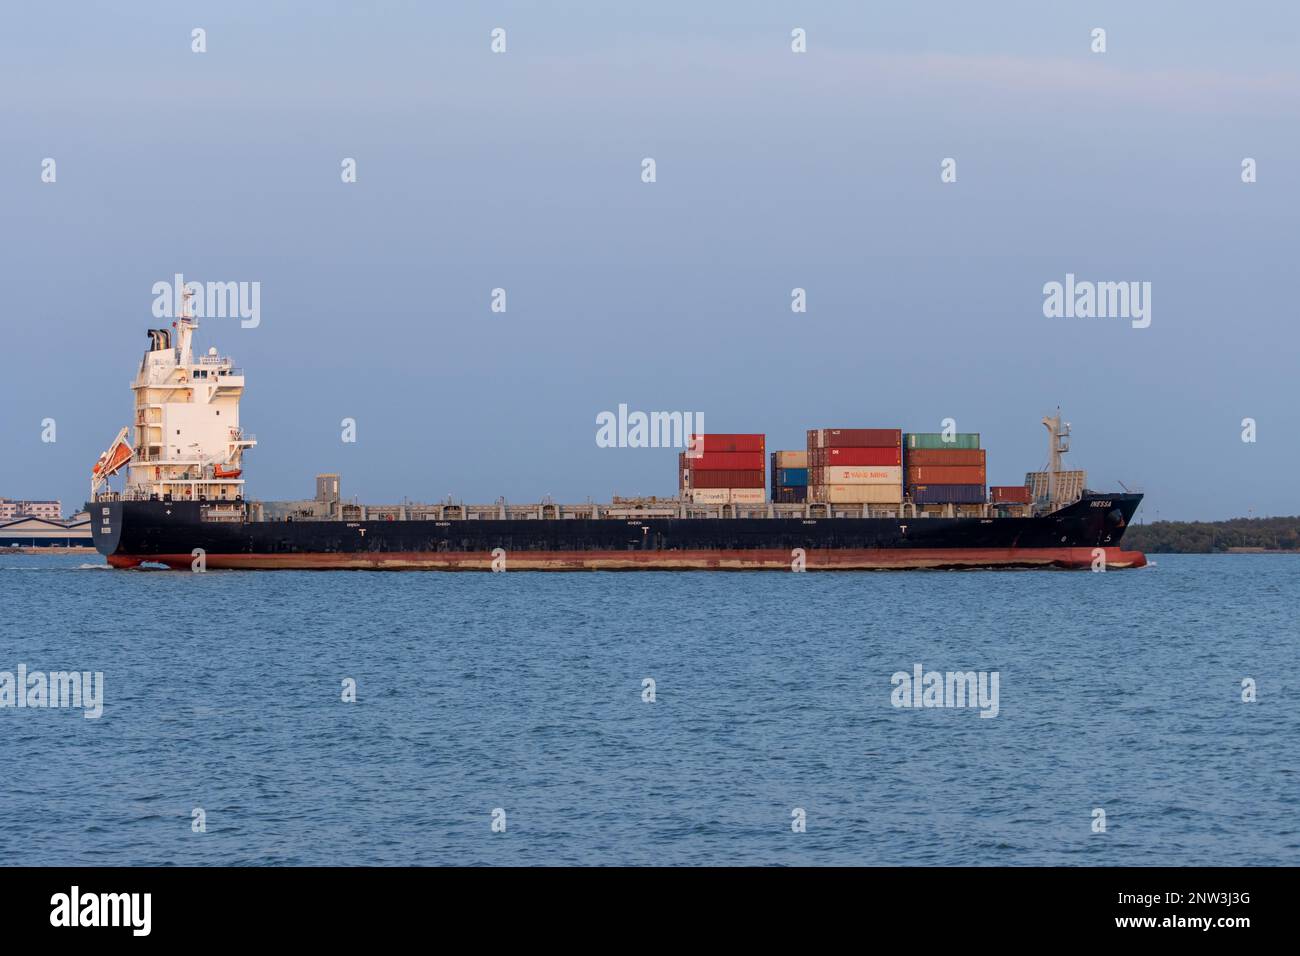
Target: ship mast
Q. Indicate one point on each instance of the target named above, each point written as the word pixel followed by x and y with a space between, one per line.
pixel 1058 443
pixel 185 326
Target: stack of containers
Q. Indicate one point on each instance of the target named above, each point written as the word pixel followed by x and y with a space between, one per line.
pixel 943 472
pixel 855 465
pixel 723 469
pixel 789 477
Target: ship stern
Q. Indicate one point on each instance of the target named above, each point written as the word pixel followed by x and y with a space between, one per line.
pixel 106 526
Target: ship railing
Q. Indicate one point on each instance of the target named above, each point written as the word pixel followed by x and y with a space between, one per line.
pixel 215 360
pixel 660 510
pixel 122 496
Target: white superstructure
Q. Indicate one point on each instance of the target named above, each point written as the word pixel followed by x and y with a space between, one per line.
pixel 186 441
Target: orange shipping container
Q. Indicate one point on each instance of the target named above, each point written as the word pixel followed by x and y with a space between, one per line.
pixel 1016 494
pixel 946 475
pixel 917 457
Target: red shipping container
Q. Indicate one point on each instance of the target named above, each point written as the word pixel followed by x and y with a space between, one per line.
pixel 946 475
pixel 727 461
pixel 945 456
pixel 728 479
pixel 1010 494
pixel 732 443
pixel 861 456
pixel 855 438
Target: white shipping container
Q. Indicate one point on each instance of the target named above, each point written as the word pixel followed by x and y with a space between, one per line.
pixel 711 496
pixel 747 496
pixel 792 459
pixel 861 494
pixel 864 475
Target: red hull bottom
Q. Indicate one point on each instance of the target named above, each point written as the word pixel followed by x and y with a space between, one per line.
pixel 877 559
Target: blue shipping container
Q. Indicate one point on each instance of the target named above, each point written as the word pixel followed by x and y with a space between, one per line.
pixel 791 477
pixel 947 494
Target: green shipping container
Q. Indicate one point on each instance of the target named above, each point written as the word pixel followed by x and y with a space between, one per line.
pixel 967 440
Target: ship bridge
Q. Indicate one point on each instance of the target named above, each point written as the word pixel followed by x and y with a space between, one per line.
pixel 185 440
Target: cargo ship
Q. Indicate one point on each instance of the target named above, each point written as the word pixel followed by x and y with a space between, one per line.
pixel 857 499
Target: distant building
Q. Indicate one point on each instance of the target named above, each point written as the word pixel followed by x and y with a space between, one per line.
pixel 29 532
pixel 11 508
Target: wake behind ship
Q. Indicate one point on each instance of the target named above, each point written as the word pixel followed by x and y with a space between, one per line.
pixel 183 503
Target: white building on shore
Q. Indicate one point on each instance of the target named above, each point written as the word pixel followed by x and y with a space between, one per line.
pixel 11 508
pixel 33 532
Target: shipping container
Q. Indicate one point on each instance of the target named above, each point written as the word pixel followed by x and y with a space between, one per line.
pixel 791 459
pixel 1010 494
pixel 730 443
pixel 857 494
pixel 727 461
pixel 941 475
pixel 935 440
pixel 945 456
pixel 862 475
pixel 787 477
pixel 855 437
pixel 947 494
pixel 747 496
pixel 725 479
pixel 856 456
pixel 711 496
pixel 790 496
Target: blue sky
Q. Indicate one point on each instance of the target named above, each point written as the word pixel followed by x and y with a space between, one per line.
pixel 775 170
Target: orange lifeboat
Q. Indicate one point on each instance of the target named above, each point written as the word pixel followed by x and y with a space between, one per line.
pixel 222 472
pixel 110 461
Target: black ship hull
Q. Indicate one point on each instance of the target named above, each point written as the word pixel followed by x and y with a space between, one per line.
pixel 1085 534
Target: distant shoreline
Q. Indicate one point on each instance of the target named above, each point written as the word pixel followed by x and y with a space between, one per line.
pixel 53 549
pixel 1233 536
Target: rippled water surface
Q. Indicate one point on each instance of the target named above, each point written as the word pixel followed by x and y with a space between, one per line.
pixel 523 691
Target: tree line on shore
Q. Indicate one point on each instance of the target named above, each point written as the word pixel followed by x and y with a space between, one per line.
pixel 1208 537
